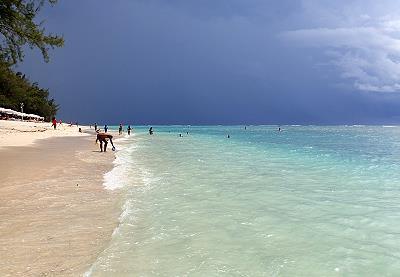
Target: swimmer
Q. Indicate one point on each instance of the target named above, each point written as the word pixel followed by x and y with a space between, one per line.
pixel 129 129
pixel 102 137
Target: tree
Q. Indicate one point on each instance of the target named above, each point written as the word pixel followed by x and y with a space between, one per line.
pixel 18 28
pixel 16 88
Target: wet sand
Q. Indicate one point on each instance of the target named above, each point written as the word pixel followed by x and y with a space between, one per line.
pixel 55 215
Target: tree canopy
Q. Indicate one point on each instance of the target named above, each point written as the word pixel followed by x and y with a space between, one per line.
pixel 15 88
pixel 18 28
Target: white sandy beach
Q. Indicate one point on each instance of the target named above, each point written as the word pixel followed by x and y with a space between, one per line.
pixel 20 133
pixel 55 215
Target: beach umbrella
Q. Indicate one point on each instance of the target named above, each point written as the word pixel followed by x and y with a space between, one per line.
pixel 7 111
pixel 19 114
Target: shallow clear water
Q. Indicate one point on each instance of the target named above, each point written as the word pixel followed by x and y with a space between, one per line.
pixel 307 201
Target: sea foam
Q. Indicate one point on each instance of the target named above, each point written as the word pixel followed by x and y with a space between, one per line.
pixel 117 177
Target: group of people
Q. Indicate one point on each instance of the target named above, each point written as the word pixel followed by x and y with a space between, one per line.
pixel 54 123
pixel 120 129
pixel 103 138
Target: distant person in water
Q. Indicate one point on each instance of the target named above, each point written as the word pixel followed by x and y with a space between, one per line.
pixel 105 128
pixel 95 126
pixel 103 137
pixel 129 129
pixel 245 127
pixel 228 136
pixel 151 131
pixel 54 123
pixel 120 129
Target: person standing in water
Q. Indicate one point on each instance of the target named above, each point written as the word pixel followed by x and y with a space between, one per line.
pixel 95 126
pixel 120 129
pixel 105 128
pixel 129 129
pixel 151 131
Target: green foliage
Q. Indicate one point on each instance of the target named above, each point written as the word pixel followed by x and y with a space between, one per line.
pixel 18 28
pixel 15 88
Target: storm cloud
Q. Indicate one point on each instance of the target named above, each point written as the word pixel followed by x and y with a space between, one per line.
pixel 222 62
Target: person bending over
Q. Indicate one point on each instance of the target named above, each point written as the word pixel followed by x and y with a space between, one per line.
pixel 102 137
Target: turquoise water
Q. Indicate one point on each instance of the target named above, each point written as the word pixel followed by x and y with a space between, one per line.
pixel 307 201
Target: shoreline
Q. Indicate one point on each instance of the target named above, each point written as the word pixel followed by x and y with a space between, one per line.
pixel 56 215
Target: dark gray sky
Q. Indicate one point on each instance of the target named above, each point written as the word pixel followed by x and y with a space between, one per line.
pixel 223 61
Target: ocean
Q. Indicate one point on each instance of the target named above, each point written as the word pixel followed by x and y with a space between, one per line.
pixel 306 201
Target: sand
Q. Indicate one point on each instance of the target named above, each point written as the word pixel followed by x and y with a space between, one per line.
pixel 19 133
pixel 55 215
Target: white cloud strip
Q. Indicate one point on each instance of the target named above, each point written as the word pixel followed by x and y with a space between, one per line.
pixel 370 56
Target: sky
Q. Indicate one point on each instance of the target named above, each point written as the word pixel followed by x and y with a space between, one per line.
pixel 223 61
